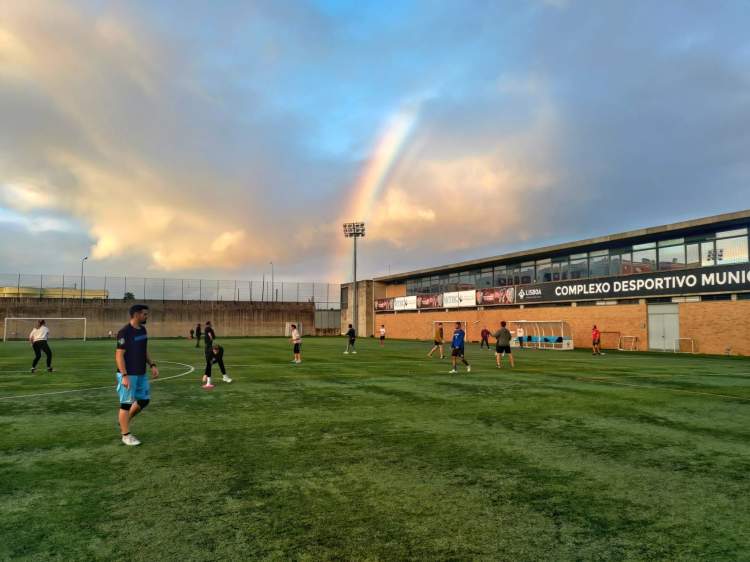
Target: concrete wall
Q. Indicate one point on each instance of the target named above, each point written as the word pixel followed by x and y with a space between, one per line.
pixel 366 314
pixel 170 318
pixel 717 327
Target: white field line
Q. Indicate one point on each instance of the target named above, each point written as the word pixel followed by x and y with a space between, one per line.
pixel 108 387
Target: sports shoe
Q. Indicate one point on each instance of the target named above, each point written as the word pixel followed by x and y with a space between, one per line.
pixel 468 368
pixel 346 353
pixel 354 352
pixel 452 372
pixel 33 369
pixel 130 439
pixel 50 369
pixel 225 378
pixel 207 386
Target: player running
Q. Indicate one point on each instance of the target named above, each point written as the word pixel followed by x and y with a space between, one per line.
pixel 214 354
pixel 198 333
pixel 131 357
pixel 457 348
pixel 382 335
pixel 485 338
pixel 38 338
pixel 209 335
pixel 596 341
pixel 502 345
pixel 297 343
pixel 437 340
pixel 352 335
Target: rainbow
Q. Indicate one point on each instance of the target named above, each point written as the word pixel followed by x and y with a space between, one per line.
pixel 376 173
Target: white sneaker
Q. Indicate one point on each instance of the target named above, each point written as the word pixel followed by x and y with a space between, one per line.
pixel 468 368
pixel 226 379
pixel 346 353
pixel 354 352
pixel 453 371
pixel 130 439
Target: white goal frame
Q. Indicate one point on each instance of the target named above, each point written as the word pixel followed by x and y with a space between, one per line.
pixel 678 347
pixel 36 319
pixel 632 339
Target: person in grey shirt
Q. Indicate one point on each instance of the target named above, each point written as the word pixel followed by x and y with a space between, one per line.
pixel 502 345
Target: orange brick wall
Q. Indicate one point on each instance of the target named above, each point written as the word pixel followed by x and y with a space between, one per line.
pixel 629 320
pixel 395 291
pixel 716 326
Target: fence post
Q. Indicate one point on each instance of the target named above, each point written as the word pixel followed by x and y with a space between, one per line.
pixel 282 291
pixel 18 288
pixel 313 291
pixel 297 291
pixel 41 284
pixel 182 290
pixel 144 288
pixel 163 287
pixel 236 295
pixel 200 290
pixel 106 294
pixel 217 290
pixel 250 291
pixel 126 286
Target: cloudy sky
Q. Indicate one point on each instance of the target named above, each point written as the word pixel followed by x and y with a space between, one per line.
pixel 191 138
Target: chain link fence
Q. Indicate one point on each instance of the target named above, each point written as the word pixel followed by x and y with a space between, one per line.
pixel 326 296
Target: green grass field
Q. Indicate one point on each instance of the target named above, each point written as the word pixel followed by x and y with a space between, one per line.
pixel 377 456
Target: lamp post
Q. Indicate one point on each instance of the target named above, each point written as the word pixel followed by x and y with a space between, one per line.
pixel 354 230
pixel 82 260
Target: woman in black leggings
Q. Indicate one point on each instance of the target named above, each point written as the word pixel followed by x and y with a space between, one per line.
pixel 38 338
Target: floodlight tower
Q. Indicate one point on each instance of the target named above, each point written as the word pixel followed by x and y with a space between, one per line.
pixel 355 230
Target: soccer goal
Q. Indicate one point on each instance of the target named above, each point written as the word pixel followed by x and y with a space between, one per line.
pixel 628 343
pixel 542 334
pixel 684 345
pixel 59 328
pixel 610 340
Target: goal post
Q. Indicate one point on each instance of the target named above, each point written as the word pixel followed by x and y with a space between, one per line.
pixel 684 345
pixel 628 343
pixel 16 328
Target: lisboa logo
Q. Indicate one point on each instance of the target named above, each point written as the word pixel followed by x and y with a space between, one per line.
pixel 521 293
pixel 529 293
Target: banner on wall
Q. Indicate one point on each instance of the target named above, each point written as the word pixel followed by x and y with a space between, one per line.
pixel 502 295
pixel 430 301
pixel 405 303
pixel 459 299
pixel 383 305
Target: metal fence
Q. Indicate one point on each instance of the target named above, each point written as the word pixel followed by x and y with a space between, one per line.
pixel 326 296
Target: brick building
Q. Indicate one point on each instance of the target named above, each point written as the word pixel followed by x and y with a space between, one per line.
pixel 679 285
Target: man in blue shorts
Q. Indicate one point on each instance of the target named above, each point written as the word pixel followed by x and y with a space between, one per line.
pixel 458 348
pixel 132 357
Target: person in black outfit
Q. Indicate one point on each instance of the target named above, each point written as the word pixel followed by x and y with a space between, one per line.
pixel 214 354
pixel 38 338
pixel 198 335
pixel 352 335
pixel 210 335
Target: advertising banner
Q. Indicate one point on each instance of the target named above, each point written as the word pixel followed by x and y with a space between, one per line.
pixel 405 303
pixel 459 299
pixel 724 278
pixel 430 301
pixel 383 304
pixel 504 295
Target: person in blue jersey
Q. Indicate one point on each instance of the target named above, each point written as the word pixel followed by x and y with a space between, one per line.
pixel 131 357
pixel 457 348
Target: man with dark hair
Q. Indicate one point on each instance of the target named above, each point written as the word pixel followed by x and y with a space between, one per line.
pixel 438 340
pixel 198 335
pixel 596 341
pixel 297 343
pixel 352 335
pixel 214 354
pixel 502 345
pixel 458 348
pixel 131 357
pixel 38 338
pixel 210 335
pixel 485 338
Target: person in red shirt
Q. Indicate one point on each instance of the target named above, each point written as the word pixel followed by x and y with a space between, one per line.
pixel 596 340
pixel 485 338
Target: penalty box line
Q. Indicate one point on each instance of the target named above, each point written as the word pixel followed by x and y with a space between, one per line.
pixel 109 387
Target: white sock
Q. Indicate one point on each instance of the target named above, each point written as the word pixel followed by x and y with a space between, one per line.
pixel 208 380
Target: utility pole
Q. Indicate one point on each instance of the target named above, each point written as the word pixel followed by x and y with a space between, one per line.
pixel 355 230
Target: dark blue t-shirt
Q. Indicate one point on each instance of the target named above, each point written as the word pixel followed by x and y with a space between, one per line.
pixel 458 338
pixel 134 342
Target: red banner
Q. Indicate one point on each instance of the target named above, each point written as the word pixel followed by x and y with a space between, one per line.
pixel 430 301
pixel 503 295
pixel 383 304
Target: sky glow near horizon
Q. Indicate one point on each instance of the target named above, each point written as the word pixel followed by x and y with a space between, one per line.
pixel 243 133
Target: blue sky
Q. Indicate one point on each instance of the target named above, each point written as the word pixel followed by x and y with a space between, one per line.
pixel 193 138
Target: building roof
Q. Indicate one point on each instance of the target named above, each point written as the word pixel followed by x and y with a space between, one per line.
pixel 631 235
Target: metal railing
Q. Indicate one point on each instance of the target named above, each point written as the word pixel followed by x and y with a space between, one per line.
pixel 91 287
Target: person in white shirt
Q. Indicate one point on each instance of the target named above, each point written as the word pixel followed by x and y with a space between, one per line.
pixel 382 334
pixel 297 342
pixel 38 339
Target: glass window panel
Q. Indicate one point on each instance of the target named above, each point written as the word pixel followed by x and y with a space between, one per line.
pixel 579 268
pixel 620 262
pixel 731 250
pixel 731 233
pixel 672 242
pixel 579 256
pixel 435 284
pixel 708 254
pixel 514 272
pixel 466 280
pixel 693 255
pixel 646 246
pixel 527 272
pixel 500 276
pixel 672 257
pixel 644 261
pixel 485 278
pixel 544 271
pixel 599 264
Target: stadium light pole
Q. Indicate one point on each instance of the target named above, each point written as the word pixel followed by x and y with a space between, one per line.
pixel 82 260
pixel 354 230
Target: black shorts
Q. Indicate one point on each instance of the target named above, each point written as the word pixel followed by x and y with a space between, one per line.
pixel 438 342
pixel 502 349
pixel 457 352
pixel 597 342
pixel 297 347
pixel 382 338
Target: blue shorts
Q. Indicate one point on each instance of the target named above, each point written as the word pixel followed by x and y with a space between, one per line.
pixel 139 389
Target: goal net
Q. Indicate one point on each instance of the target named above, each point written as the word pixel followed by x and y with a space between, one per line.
pixel 684 345
pixel 448 327
pixel 628 343
pixel 59 328
pixel 541 334
pixel 610 340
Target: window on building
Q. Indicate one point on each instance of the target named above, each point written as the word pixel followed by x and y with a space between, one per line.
pixel 692 255
pixel 411 286
pixel 672 257
pixel 559 268
pixel 484 279
pixel 452 283
pixel 708 253
pixel 620 261
pixel 527 272
pixel 731 250
pixel 514 274
pixel 644 260
pixel 543 271
pixel 500 277
pixel 466 280
pixel 732 233
pixel 579 266
pixel 599 263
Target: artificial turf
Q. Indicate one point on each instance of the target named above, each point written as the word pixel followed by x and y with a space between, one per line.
pixel 377 456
